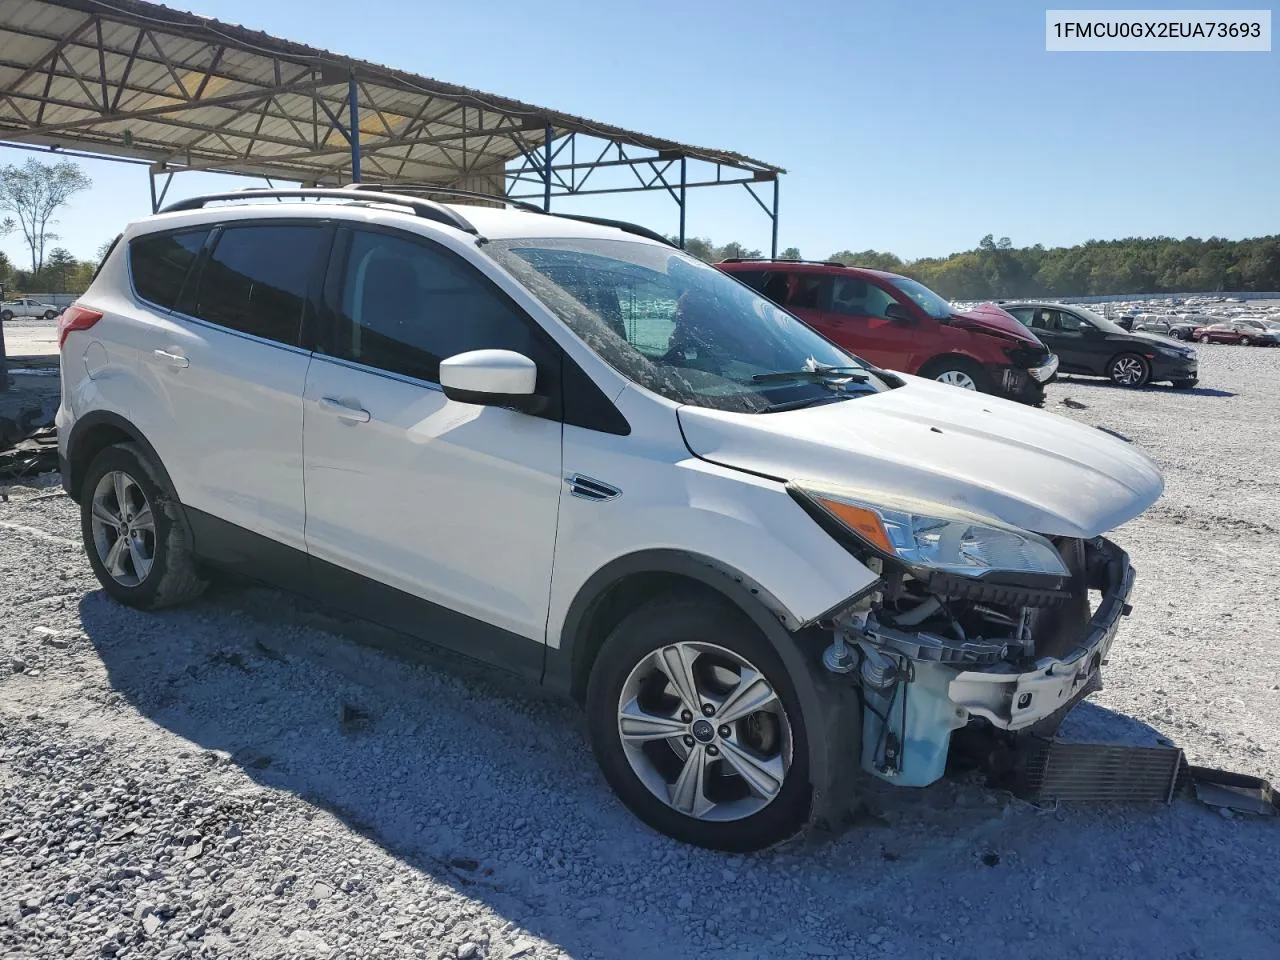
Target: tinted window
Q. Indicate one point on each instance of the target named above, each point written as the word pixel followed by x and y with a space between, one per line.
pixel 755 279
pixel 406 306
pixel 255 280
pixel 809 291
pixel 159 264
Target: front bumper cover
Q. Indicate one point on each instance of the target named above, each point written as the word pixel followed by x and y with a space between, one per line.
pixel 1013 700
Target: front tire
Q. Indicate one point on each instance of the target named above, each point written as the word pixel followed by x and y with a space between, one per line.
pixel 1204 339
pixel 1245 341
pixel 957 372
pixel 6 315
pixel 697 727
pixel 133 534
pixel 1129 370
pixel 50 314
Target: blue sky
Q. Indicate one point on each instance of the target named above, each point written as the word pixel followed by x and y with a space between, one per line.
pixel 911 127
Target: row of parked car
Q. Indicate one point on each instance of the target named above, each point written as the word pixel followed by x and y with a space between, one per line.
pixel 1246 331
pixel 1012 348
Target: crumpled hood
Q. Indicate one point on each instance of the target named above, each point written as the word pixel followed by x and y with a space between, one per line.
pixel 995 319
pixel 1032 469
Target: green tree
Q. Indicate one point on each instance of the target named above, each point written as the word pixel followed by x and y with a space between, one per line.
pixel 59 268
pixel 871 259
pixel 791 253
pixel 34 192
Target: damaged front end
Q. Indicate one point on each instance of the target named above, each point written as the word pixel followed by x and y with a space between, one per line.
pixel 972 625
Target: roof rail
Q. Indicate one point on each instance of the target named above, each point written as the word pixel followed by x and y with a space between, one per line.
pixel 427 209
pixel 623 225
pixel 442 191
pixel 820 263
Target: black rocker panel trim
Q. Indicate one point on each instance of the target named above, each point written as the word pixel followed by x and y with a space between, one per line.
pixel 260 558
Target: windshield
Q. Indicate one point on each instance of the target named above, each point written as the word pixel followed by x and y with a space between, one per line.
pixel 1098 320
pixel 926 299
pixel 678 327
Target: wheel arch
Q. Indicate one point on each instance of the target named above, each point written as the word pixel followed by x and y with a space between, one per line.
pixel 93 433
pixel 830 708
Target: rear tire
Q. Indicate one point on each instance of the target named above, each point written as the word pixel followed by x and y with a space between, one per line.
pixel 1129 370
pixel 718 654
pixel 959 372
pixel 6 315
pixel 133 532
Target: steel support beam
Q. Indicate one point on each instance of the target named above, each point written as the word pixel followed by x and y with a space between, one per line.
pixel 546 169
pixel 774 254
pixel 683 197
pixel 353 97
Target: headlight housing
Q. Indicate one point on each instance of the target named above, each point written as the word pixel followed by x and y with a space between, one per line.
pixel 928 536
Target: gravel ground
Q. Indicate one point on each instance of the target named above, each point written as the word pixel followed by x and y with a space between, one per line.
pixel 246 777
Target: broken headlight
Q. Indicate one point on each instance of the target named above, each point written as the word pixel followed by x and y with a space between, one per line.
pixel 930 536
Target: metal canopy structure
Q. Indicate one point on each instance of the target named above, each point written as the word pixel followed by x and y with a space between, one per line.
pixel 139 81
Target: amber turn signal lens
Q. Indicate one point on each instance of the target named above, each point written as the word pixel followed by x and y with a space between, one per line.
pixel 865 523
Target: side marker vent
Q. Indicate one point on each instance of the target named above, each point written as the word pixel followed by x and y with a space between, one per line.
pixel 590 489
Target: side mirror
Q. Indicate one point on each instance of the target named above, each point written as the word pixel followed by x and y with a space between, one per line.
pixel 492 378
pixel 896 311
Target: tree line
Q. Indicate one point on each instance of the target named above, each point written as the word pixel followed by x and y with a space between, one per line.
pixel 996 268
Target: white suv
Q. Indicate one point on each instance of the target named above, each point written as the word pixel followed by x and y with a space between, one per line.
pixel 766 568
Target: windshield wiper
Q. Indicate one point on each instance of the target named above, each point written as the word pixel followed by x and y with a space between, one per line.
pixel 856 374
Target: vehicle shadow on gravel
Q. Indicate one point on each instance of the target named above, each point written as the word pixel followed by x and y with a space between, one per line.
pixel 482 785
pixel 1105 384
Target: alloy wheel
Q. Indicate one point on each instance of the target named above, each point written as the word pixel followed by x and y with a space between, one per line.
pixel 705 731
pixel 124 528
pixel 1127 371
pixel 957 378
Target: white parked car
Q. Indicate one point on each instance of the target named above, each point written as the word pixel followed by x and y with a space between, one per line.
pixel 27 307
pixel 764 568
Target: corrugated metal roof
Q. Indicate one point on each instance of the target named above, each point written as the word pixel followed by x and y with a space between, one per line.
pixel 142 80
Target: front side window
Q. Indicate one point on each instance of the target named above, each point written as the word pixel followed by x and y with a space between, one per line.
pixel 677 326
pixel 405 306
pixel 1067 322
pixel 860 298
pixel 1021 314
pixel 159 264
pixel 255 280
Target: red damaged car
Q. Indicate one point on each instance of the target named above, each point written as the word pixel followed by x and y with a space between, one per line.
pixel 900 324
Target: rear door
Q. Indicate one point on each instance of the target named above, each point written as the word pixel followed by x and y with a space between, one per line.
pixel 445 512
pixel 225 371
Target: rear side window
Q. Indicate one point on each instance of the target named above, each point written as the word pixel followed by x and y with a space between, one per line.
pixel 160 263
pixel 406 306
pixel 255 280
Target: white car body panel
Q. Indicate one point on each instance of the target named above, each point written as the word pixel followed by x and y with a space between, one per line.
pixel 452 502
pixel 672 500
pixel 985 455
pixel 228 425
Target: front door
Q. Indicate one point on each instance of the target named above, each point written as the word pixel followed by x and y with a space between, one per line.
pixel 452 506
pixel 857 318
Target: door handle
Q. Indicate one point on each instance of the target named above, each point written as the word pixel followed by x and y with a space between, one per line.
pixel 172 359
pixel 343 411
